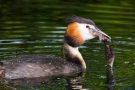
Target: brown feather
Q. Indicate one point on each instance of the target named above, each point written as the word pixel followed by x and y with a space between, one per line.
pixel 73 35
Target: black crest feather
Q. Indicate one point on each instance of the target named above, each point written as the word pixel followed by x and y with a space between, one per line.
pixel 79 20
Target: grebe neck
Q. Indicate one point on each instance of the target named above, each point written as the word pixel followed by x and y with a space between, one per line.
pixel 72 54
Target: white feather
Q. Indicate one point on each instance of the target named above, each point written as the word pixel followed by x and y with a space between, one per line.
pixel 86 33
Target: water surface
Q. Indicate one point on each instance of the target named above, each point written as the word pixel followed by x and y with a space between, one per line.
pixel 38 27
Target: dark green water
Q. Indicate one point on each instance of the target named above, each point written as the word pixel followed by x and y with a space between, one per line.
pixel 38 27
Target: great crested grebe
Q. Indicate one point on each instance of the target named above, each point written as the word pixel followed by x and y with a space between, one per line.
pixel 28 66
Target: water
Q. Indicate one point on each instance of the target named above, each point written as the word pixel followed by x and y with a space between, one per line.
pixel 38 27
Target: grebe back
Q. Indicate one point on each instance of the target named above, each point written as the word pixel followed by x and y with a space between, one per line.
pixel 26 66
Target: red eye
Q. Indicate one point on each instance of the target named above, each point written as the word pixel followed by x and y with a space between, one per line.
pixel 87 26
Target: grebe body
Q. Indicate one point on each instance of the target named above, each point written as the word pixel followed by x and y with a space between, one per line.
pixel 27 66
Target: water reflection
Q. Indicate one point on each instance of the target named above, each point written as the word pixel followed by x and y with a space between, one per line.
pixel 73 82
pixel 76 83
pixel 110 80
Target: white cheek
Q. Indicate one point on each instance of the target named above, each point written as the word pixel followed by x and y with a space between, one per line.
pixel 85 32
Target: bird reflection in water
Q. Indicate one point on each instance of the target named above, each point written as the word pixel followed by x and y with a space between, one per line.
pixel 71 79
pixel 74 82
pixel 110 80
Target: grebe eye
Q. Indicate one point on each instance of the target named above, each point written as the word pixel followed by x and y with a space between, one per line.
pixel 87 26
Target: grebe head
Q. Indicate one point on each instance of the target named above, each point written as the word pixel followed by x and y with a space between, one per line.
pixel 80 29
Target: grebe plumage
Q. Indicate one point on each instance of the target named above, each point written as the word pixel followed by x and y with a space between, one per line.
pixel 26 66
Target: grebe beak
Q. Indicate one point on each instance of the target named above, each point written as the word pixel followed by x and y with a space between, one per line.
pixel 101 34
